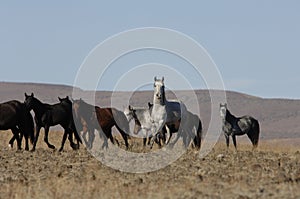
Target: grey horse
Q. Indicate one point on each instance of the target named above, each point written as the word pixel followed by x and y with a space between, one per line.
pixel 236 126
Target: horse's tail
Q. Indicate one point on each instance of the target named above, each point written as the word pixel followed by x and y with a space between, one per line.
pixel 199 133
pixel 255 133
pixel 198 137
pixel 76 134
pixel 75 124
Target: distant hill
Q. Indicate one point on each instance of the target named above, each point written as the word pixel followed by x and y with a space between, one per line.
pixel 279 118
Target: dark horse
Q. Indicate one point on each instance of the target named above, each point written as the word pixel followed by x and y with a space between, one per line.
pixel 47 115
pixel 14 116
pixel 233 126
pixel 89 118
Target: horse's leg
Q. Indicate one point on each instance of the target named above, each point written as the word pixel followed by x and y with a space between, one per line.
pixel 105 141
pixel 234 141
pixel 163 137
pixel 124 135
pixel 227 140
pixel 70 137
pixel 144 141
pixel 179 133
pixel 84 138
pixel 91 134
pixel 186 139
pixel 37 131
pixel 72 143
pixel 26 141
pixel 16 135
pixel 11 142
pixel 149 139
pixel 26 144
pixel 157 139
pixel 109 134
pixel 168 131
pixel 152 142
pixel 76 135
pixel 63 140
pixel 46 137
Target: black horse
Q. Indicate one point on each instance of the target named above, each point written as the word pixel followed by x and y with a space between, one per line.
pixel 14 116
pixel 233 126
pixel 47 115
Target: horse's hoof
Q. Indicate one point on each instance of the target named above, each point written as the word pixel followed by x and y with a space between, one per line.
pixel 75 146
pixel 10 146
pixel 32 150
pixel 60 150
pixel 51 146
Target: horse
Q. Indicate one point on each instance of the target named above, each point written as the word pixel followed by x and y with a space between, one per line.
pixel 192 130
pixel 90 118
pixel 236 126
pixel 175 109
pixel 26 127
pixel 143 124
pixel 47 115
pixel 158 112
pixel 15 117
pixel 142 120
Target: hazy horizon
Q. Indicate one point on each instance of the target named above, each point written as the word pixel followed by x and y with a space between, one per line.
pixel 149 89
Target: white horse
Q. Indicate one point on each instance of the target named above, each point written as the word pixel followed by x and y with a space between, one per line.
pixel 143 123
pixel 176 110
pixel 158 112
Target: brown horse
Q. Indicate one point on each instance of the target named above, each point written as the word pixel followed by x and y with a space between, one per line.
pixel 88 118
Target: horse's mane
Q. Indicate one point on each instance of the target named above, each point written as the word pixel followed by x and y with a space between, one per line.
pixel 230 117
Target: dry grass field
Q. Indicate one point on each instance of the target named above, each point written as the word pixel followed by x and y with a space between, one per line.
pixel 272 171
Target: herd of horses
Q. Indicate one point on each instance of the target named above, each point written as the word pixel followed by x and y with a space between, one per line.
pixel 156 123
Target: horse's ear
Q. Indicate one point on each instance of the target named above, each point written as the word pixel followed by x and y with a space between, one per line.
pixel 162 79
pixel 155 79
pixel 32 95
pixel 59 98
pixel 129 107
pixel 150 104
pixel 26 95
pixel 67 97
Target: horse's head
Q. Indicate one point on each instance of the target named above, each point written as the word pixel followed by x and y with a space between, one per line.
pixel 65 100
pixel 223 110
pixel 75 108
pixel 129 112
pixel 159 91
pixel 29 101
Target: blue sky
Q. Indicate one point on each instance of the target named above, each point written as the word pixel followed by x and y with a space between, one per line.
pixel 255 44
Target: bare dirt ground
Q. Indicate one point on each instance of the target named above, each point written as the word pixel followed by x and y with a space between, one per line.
pixel 273 171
